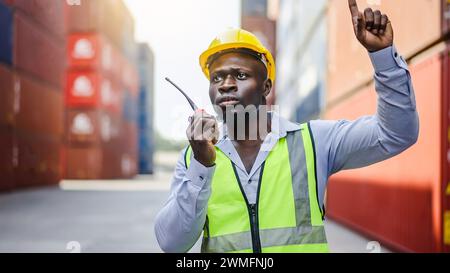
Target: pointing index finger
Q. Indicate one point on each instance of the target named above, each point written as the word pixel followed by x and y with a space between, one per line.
pixel 353 8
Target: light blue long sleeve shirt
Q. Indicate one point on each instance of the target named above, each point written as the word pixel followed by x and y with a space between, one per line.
pixel 339 145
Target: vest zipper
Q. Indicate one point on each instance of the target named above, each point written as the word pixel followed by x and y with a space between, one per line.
pixel 252 211
pixel 256 241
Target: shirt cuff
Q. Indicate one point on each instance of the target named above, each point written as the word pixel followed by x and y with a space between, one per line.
pixel 386 59
pixel 198 174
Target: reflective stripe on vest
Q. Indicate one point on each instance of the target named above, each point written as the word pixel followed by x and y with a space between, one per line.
pixel 286 216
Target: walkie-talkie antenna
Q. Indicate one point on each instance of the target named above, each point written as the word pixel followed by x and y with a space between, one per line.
pixel 193 105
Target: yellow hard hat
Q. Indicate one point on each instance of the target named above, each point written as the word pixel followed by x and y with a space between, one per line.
pixel 238 39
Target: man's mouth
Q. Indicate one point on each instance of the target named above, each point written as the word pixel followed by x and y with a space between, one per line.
pixel 227 101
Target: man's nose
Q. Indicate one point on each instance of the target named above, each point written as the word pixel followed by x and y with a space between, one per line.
pixel 228 85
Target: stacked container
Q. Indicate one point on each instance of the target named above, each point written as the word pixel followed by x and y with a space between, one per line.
pixel 101 92
pixel 32 64
pixel 403 202
pixel 301 60
pixel 146 109
pixel 256 19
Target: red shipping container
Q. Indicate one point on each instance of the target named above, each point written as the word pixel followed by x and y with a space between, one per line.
pixel 349 60
pixel 8 158
pixel 83 162
pixel 48 13
pixel 91 89
pixel 83 126
pixel 128 165
pixel 30 105
pixel 445 155
pixel 111 162
pixel 36 52
pixel 93 51
pixel 91 126
pixel 38 160
pixel 7 102
pixel 399 201
pixel 446 17
pixel 108 17
pixel 129 136
pixel 39 108
pixel 265 29
pixel 112 158
pixel 116 157
pixel 129 156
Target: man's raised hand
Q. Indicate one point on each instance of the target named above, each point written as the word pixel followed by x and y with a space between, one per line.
pixel 372 29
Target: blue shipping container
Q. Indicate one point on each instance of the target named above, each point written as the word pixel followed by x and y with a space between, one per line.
pixel 129 107
pixel 6 34
pixel 309 108
pixel 145 106
pixel 145 134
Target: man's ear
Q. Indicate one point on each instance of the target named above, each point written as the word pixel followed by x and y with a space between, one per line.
pixel 267 87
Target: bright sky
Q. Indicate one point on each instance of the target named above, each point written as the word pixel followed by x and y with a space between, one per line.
pixel 178 31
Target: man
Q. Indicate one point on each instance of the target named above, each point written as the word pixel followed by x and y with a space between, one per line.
pixel 265 194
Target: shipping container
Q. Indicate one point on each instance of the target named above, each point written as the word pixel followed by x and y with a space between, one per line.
pixel 112 159
pixel 30 105
pixel 87 88
pixel 8 106
pixel 38 107
pixel 6 34
pixel 400 201
pixel 445 152
pixel 146 139
pixel 130 77
pixel 91 126
pixel 111 18
pixel 129 164
pixel 83 162
pixel 254 8
pixel 38 160
pixel 265 29
pixel 446 17
pixel 48 14
pixel 129 157
pixel 302 59
pixel 101 91
pixel 309 107
pixel 8 158
pixel 94 52
pixel 28 159
pixel 349 60
pixel 146 109
pixel 255 17
pixel 36 52
pixel 130 107
pixel 129 47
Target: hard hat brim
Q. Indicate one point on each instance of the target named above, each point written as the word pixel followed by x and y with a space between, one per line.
pixel 210 52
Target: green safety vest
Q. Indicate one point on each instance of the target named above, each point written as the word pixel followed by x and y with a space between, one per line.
pixel 286 217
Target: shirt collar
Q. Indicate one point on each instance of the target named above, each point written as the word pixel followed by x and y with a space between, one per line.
pixel 280 128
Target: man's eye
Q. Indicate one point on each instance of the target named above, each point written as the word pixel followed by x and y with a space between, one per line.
pixel 217 78
pixel 241 76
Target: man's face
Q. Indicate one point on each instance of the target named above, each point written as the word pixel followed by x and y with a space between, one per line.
pixel 238 79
